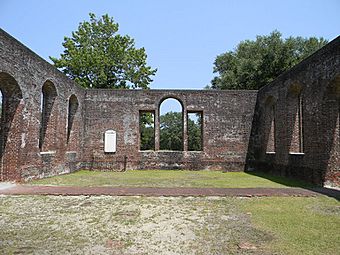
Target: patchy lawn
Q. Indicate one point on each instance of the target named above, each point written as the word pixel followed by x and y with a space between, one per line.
pixel 299 225
pixel 169 178
pixel 141 225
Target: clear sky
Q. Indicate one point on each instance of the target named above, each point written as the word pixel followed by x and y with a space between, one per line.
pixel 182 37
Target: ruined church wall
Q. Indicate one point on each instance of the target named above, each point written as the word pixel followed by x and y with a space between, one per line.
pixel 21 155
pixel 227 117
pixel 290 127
pixel 305 125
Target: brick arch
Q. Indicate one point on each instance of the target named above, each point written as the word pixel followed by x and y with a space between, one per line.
pixel 48 122
pixel 295 89
pixel 11 115
pixel 179 99
pixel 333 88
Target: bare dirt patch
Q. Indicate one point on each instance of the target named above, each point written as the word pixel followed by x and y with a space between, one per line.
pixel 126 225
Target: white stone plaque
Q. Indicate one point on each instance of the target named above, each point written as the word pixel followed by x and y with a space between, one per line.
pixel 110 141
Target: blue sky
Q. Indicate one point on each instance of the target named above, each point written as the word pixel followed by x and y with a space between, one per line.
pixel 181 38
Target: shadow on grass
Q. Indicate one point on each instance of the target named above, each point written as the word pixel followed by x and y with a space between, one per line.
pixel 282 180
pixel 298 184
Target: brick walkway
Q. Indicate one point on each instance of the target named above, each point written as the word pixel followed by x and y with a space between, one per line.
pixel 126 191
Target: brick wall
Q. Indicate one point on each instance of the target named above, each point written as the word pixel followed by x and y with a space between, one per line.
pixel 306 132
pixel 290 127
pixel 227 117
pixel 22 77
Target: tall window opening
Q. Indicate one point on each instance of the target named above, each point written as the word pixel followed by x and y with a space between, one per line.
pixel 171 125
pixel 49 94
pixel 271 125
pixel 195 131
pixel 1 106
pixel 72 110
pixel 10 98
pixel 147 130
pixel 296 145
pixel 2 117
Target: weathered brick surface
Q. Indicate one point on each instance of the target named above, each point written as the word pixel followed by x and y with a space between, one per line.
pixel 317 80
pixel 21 157
pixel 226 128
pixel 227 117
pixel 72 136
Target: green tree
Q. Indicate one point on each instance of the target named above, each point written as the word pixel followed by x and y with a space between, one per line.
pixel 171 137
pixel 256 63
pixel 147 131
pixel 195 133
pixel 97 57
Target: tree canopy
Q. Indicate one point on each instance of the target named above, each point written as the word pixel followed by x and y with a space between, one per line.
pixel 97 57
pixel 171 133
pixel 147 131
pixel 254 64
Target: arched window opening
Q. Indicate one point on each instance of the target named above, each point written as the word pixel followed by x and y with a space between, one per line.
pixel 296 142
pixel 49 94
pixel 330 143
pixel 10 97
pixel 72 110
pixel 271 125
pixel 147 130
pixel 171 125
pixel 195 131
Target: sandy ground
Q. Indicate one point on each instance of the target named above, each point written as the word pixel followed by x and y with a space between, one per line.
pixel 126 225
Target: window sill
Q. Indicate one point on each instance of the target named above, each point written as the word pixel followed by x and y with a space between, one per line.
pixel 297 153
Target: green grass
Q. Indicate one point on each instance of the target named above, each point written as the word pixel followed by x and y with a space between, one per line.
pixel 299 225
pixel 169 178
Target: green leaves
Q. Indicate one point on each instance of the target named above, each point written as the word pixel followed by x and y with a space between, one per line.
pixel 256 63
pixel 97 57
pixel 171 133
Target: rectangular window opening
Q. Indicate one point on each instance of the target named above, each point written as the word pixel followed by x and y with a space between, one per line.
pixel 147 130
pixel 195 131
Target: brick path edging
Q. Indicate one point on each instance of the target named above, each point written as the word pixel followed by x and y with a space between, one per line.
pixel 141 191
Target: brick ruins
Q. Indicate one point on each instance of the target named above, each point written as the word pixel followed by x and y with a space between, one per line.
pixel 50 125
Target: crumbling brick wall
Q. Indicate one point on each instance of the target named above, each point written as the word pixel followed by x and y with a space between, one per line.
pixel 43 144
pixel 227 117
pixel 307 100
pixel 22 77
pixel 290 127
